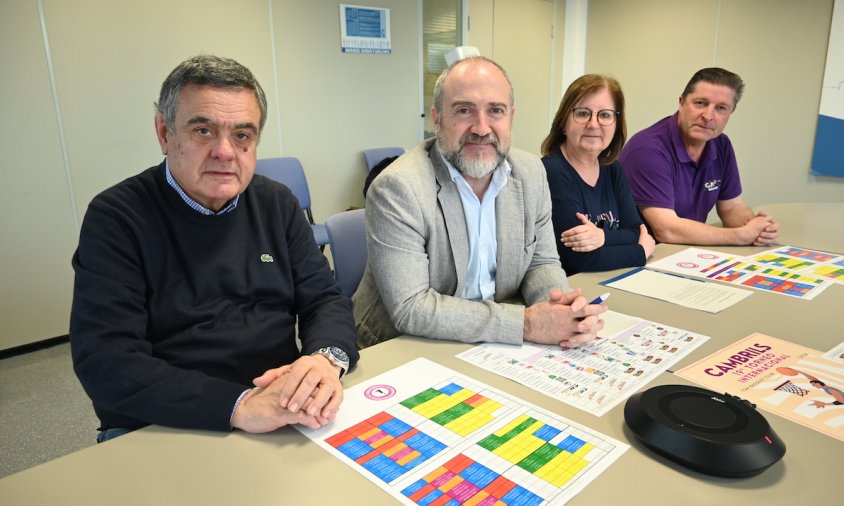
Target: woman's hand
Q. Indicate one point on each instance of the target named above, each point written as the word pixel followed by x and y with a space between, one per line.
pixel 583 238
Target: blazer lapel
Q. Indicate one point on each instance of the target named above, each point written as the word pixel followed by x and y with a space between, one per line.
pixel 510 233
pixel 455 221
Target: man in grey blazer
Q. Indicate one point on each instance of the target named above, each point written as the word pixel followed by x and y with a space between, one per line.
pixel 460 241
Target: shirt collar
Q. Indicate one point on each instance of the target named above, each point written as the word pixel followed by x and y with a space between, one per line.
pixel 196 206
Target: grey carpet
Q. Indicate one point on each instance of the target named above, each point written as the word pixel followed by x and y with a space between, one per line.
pixel 44 413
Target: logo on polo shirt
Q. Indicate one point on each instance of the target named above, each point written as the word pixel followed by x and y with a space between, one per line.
pixel 712 185
pixel 266 258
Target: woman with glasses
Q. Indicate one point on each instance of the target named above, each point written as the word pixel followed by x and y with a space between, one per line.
pixel 594 215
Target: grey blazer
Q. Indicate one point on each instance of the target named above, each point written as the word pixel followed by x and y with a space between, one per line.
pixel 418 253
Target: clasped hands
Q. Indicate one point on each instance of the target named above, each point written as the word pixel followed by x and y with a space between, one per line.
pixel 764 227
pixel 306 392
pixel 565 319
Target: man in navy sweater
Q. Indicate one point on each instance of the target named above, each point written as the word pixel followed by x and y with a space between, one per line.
pixel 192 276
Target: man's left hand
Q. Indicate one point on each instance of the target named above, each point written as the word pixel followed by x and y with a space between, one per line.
pixel 770 233
pixel 311 384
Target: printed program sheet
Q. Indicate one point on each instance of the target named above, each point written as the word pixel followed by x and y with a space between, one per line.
pixel 596 376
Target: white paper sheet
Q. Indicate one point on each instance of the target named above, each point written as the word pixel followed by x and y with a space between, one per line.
pixel 696 294
pixel 597 376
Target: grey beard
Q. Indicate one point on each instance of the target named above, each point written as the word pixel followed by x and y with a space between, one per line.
pixel 474 168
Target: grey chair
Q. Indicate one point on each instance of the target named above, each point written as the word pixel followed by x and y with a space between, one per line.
pixel 347 240
pixel 375 155
pixel 288 171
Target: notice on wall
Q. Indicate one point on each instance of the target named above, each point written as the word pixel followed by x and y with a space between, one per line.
pixel 364 29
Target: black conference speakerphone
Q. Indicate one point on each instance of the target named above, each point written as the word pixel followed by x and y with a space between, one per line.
pixel 716 434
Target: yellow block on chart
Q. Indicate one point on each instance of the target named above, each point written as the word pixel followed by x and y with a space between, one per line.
pixel 510 426
pixel 409 457
pixel 436 473
pixel 584 450
pixel 442 403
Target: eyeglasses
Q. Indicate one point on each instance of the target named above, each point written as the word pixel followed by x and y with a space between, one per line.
pixel 606 117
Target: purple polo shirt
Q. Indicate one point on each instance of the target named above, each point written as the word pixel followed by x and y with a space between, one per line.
pixel 662 174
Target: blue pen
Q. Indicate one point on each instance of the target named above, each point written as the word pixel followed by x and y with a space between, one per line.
pixel 600 300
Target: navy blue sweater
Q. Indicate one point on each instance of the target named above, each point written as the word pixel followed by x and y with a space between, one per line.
pixel 174 313
pixel 609 204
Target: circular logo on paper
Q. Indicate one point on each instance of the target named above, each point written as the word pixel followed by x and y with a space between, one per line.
pixel 707 256
pixel 687 265
pixel 379 392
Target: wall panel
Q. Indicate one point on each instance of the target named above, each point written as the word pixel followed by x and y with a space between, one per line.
pixel 39 235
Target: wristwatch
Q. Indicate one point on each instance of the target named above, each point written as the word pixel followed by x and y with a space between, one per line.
pixel 336 356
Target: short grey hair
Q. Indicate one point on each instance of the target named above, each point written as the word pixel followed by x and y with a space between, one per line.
pixel 438 87
pixel 207 70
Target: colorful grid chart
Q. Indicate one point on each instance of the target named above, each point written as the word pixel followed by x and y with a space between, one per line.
pixel 778 285
pixel 428 435
pixel 830 271
pixel 386 446
pixel 458 409
pixel 542 450
pixel 524 462
pixel 461 480
pixel 718 266
pixel 814 256
pixel 792 276
pixel 391 443
pixel 786 270
pixel 730 275
pixel 785 262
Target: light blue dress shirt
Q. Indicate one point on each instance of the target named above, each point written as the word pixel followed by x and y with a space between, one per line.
pixel 196 206
pixel 480 225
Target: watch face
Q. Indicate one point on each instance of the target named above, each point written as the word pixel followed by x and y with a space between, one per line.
pixel 339 354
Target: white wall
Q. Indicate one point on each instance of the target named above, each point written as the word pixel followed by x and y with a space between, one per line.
pixel 109 58
pixel 778 47
pixel 333 105
pixel 36 218
pixel 108 61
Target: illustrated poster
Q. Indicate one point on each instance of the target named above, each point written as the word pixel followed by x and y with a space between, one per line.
pixel 789 380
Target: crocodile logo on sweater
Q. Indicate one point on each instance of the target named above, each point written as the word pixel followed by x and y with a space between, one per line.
pixel 266 258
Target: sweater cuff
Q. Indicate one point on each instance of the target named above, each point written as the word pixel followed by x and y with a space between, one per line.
pixel 236 404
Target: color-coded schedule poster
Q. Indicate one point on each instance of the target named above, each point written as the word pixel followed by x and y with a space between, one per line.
pixel 428 435
pixel 785 270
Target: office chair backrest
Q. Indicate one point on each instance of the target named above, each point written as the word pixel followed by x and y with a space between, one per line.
pixel 288 171
pixel 347 239
pixel 375 155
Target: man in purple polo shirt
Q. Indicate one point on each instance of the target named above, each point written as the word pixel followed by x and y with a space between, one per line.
pixel 683 165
